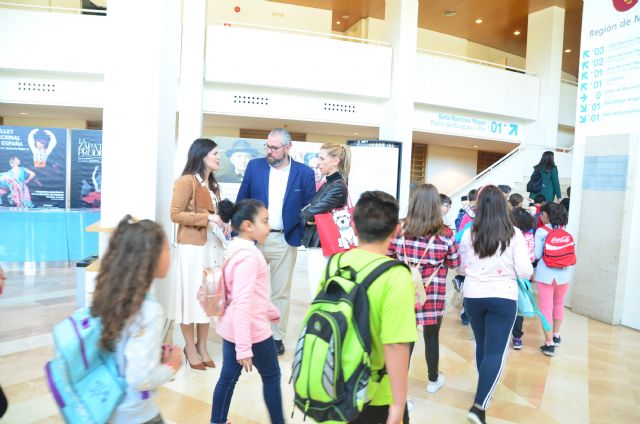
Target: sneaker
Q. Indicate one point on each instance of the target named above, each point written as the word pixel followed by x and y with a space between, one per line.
pixel 556 341
pixel 464 320
pixel 476 415
pixel 434 386
pixel 409 405
pixel 517 343
pixel 547 350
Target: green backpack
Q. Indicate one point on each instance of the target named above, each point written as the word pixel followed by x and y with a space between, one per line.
pixel 331 369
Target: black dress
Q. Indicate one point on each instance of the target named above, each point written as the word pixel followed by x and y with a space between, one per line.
pixel 333 194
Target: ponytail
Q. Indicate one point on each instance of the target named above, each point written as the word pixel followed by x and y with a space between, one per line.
pixel 244 210
pixel 343 153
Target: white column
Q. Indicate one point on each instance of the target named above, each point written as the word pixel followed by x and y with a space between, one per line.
pixel 139 109
pixel 545 33
pixel 194 19
pixel 402 32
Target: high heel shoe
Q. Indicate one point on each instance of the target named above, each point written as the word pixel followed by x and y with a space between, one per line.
pixel 209 364
pixel 199 366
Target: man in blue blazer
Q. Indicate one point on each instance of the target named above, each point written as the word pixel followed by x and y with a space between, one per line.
pixel 285 187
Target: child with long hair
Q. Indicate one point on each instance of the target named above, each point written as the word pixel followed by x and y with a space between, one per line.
pixel 132 319
pixel 493 255
pixel 425 241
pixel 245 326
pixel 552 283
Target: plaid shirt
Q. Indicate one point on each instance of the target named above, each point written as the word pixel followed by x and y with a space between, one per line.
pixel 443 251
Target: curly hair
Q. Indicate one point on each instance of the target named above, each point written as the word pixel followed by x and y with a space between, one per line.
pixel 126 273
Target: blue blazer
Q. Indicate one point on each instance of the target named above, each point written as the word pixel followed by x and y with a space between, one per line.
pixel 301 187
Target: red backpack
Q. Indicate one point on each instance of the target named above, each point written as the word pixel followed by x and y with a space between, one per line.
pixel 559 249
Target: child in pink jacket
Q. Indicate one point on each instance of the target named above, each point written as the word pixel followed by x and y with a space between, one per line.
pixel 245 326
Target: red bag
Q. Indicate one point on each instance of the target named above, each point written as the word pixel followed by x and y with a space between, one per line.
pixel 336 230
pixel 559 249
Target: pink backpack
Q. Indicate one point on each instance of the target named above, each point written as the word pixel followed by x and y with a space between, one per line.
pixel 559 249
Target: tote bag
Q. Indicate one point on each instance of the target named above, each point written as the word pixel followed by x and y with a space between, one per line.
pixel 336 230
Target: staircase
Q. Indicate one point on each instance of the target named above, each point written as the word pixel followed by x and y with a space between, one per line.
pixel 514 169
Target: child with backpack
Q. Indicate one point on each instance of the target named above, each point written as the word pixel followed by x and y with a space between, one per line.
pixel 468 215
pixel 556 249
pixel 523 220
pixel 360 324
pixel 428 245
pixel 132 319
pixel 245 325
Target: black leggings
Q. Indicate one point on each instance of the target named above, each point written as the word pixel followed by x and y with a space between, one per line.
pixel 430 333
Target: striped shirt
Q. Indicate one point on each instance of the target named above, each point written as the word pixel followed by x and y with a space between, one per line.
pixel 443 251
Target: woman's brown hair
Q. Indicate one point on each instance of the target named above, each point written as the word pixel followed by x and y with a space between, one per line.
pixel 492 228
pixel 424 216
pixel 126 273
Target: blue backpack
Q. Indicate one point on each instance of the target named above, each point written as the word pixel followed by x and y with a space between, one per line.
pixel 527 304
pixel 83 378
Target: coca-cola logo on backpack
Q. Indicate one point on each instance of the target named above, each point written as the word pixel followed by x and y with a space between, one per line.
pixel 559 249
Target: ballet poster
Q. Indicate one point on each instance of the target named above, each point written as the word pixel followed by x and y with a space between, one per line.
pixel 33 167
pixel 86 168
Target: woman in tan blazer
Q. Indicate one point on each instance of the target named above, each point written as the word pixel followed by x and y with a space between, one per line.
pixel 193 207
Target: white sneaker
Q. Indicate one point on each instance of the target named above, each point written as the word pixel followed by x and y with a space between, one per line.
pixel 434 386
pixel 409 405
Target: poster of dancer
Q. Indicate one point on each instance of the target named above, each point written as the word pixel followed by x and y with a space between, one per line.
pixel 86 168
pixel 33 167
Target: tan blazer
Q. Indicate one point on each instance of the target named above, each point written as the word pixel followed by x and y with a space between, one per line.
pixel 190 208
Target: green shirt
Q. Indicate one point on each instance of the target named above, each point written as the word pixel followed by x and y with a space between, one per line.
pixel 391 315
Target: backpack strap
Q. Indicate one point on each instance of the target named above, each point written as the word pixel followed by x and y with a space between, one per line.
pixel 379 270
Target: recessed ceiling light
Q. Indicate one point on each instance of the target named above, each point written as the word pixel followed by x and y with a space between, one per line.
pixel 476 146
pixel 478 21
pixel 356 133
pixel 516 32
pixel 567 51
pixel 449 13
pixel 337 22
pixel 23 113
pixel 345 16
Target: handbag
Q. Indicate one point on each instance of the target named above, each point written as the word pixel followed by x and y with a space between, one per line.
pixel 213 295
pixel 336 230
pixel 527 304
pixel 419 285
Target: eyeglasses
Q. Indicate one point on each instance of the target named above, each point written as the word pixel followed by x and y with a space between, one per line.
pixel 272 148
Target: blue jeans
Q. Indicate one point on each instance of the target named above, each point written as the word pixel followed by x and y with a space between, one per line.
pixel 265 361
pixel 491 320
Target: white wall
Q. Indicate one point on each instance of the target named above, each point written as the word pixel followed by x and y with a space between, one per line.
pixel 44 122
pixel 52 41
pixel 270 13
pixel 566 136
pixel 449 167
pixel 482 52
pixel 210 131
pixel 432 40
pixel 567 107
pixel 469 86
pixel 276 59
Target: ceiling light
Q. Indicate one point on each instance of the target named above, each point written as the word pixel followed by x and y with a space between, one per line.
pixel 567 51
pixel 337 22
pixel 355 133
pixel 23 113
pixel 449 13
pixel 476 146
pixel 345 16
pixel 516 32
pixel 478 21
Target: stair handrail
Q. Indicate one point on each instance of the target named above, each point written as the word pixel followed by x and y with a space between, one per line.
pixel 498 162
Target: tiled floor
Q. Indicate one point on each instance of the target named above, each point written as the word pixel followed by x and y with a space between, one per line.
pixel 594 377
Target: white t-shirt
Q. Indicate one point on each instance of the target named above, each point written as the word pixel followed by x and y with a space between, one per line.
pixel 278 179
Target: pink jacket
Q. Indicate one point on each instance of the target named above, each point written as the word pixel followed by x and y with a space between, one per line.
pixel 247 319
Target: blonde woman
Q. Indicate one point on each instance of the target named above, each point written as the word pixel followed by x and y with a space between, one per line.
pixel 334 162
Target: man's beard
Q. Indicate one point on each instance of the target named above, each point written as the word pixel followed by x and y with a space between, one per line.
pixel 275 162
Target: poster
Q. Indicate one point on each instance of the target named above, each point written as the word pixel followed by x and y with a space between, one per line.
pixel 375 165
pixel 86 168
pixel 235 154
pixel 33 167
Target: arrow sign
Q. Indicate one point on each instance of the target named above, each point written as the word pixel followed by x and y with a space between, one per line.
pixel 583 108
pixel 585 75
pixel 583 86
pixel 583 97
pixel 585 65
pixel 513 130
pixel 585 54
pixel 583 119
